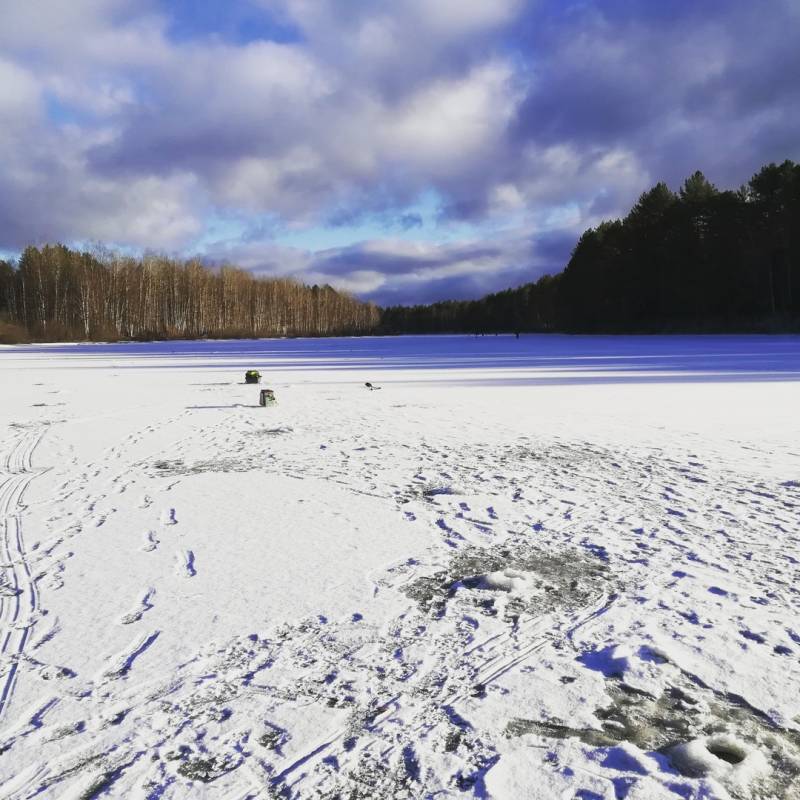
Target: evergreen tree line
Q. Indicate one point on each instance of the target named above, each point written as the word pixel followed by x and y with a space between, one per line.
pixel 700 259
pixel 54 293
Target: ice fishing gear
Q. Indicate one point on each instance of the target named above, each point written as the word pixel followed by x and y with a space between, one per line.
pixel 266 397
pixel 252 376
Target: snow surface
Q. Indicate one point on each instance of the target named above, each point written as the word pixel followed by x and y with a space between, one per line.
pixel 552 567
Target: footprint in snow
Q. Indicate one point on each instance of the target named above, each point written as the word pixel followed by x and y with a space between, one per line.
pixel 151 542
pixel 121 664
pixel 168 517
pixel 185 565
pixel 145 604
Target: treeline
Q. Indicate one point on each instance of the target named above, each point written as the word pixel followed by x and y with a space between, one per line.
pixel 527 309
pixel 700 259
pixel 55 293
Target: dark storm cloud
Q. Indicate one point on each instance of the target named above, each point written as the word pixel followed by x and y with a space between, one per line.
pixel 681 85
pixel 454 287
pixel 391 263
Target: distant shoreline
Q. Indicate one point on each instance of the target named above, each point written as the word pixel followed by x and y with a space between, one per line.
pixel 792 334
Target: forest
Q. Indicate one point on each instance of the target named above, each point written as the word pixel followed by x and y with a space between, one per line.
pixel 57 294
pixel 697 260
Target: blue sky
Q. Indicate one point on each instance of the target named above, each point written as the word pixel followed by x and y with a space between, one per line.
pixel 405 150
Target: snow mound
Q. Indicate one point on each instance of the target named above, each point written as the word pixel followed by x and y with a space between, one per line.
pixel 723 757
pixel 502 580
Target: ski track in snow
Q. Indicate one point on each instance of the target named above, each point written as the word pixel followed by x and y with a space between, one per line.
pixel 19 594
pixel 545 557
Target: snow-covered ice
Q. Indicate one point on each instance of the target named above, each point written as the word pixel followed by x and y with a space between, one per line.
pixel 552 567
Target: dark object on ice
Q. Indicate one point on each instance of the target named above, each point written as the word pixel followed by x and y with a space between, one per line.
pixel 252 376
pixel 371 387
pixel 266 397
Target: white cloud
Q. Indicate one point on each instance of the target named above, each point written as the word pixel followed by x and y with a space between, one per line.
pixel 451 123
pixel 110 129
pixel 20 95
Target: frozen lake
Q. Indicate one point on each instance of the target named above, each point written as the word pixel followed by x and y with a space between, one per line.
pixel 541 359
pixel 547 567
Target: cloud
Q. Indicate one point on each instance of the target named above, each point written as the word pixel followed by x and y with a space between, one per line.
pixel 680 87
pixel 393 271
pixel 260 133
pixel 144 122
pixel 407 273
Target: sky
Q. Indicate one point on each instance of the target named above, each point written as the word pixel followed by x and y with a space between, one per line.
pixel 404 150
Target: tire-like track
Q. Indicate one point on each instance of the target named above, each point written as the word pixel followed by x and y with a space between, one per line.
pixel 19 596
